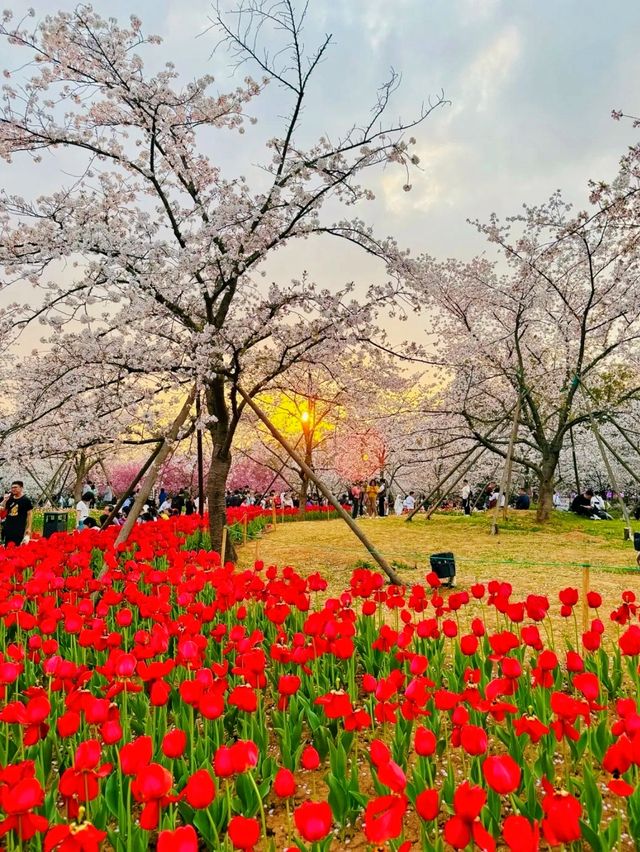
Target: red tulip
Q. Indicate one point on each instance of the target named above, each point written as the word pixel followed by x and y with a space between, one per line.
pixel 222 762
pixel 135 755
pixel 379 753
pixel 284 784
pixel 288 684
pixel 68 724
pixel 75 838
pixel 244 832
pixel 310 758
pixel 520 835
pixel 383 818
pixel 425 741
pixel 428 804
pixel 313 820
pixel 336 704
pixel 392 776
pixel 594 599
pixel 501 773
pixel 174 743
pixel 561 823
pixel 474 740
pixel 468 801
pixel 568 597
pixel 183 839
pixel 18 802
pixel 469 644
pixel 200 790
pixel 151 786
pixel 81 782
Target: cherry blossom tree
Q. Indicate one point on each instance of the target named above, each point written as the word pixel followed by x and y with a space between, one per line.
pixel 167 250
pixel 548 337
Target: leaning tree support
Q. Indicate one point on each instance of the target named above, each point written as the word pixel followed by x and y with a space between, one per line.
pixel 120 502
pixel 452 485
pixel 166 447
pixel 619 459
pixel 634 446
pixel 440 484
pixel 455 468
pixel 575 461
pixel 607 463
pixel 304 467
pixel 505 481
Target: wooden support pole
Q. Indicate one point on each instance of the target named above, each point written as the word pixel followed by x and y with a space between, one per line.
pixel 353 526
pixel 223 547
pixel 452 485
pixel 166 448
pixel 456 467
pixel 575 461
pixel 505 481
pixel 441 482
pixel 607 464
pixel 619 459
pixel 585 603
pixel 274 513
pixel 120 502
pixel 48 490
pixel 244 529
pixel 631 443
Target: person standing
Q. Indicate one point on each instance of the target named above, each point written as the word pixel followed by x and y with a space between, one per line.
pixel 355 495
pixel 16 528
pixel 370 498
pixel 382 497
pixel 83 508
pixel 466 497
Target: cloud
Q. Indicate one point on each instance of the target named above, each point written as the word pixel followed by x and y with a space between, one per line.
pixel 471 11
pixel 491 67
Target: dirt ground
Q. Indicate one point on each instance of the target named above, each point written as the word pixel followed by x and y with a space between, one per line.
pixel 534 558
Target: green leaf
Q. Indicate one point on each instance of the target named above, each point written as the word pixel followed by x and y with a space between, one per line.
pixel 592 837
pixel 593 799
pixel 112 794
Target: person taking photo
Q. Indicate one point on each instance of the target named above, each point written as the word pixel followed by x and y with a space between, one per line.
pixel 16 528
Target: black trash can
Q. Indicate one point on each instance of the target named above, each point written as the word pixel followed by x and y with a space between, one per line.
pixel 443 566
pixel 54 522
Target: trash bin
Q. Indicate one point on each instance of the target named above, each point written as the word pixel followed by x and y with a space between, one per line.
pixel 54 522
pixel 443 566
pixel 636 541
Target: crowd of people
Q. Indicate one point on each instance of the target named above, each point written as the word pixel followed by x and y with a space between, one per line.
pixel 366 498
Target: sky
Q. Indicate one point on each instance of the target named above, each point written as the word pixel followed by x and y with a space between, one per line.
pixel 531 88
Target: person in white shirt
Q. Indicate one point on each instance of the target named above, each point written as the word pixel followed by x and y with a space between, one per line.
pixel 82 508
pixel 599 508
pixel 409 502
pixel 466 497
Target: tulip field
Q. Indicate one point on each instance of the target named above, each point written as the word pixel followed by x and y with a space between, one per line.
pixel 152 697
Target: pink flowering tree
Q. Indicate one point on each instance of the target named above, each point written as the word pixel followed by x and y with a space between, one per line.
pixel 167 250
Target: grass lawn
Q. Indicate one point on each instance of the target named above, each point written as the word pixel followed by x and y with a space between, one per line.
pixel 534 558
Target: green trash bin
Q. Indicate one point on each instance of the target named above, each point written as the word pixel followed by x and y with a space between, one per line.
pixel 54 522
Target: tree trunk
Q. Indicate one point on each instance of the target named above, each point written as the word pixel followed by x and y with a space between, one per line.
pixel 216 488
pixel 302 494
pixel 546 485
pixel 80 471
